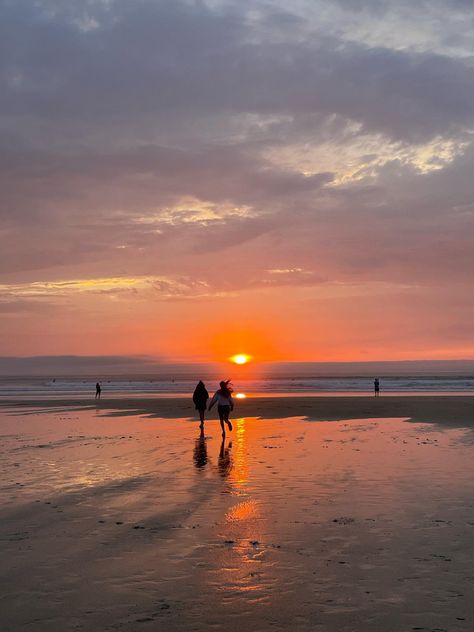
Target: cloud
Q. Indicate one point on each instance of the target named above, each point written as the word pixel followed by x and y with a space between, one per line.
pixel 152 286
pixel 190 61
pixel 77 365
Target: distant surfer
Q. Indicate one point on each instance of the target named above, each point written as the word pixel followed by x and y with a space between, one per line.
pixel 377 387
pixel 98 390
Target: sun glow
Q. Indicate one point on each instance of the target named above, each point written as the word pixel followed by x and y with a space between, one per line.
pixel 240 358
pixel 241 396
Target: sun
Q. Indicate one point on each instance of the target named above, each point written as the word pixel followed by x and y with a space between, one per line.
pixel 240 358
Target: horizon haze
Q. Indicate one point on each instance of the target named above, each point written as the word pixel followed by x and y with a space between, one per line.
pixel 69 366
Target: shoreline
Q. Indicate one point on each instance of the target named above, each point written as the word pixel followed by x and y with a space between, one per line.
pixel 449 410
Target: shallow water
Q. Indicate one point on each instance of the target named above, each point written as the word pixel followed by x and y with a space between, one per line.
pixel 111 522
pixel 15 388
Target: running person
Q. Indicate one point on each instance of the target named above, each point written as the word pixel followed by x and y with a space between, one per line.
pixel 225 403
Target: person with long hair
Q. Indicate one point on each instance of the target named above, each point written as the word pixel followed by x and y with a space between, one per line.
pixel 225 403
pixel 200 397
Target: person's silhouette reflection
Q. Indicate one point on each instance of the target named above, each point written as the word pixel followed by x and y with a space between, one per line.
pixel 224 462
pixel 200 451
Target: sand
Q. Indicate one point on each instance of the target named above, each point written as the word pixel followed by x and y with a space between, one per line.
pixel 113 520
pixel 450 410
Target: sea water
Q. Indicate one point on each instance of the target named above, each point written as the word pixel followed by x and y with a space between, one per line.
pixel 131 386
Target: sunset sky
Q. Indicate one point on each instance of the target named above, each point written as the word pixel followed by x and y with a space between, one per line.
pixel 194 179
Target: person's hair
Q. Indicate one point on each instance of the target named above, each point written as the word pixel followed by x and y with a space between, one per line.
pixel 225 388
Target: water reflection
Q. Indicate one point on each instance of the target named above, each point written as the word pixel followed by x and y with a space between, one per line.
pixel 240 471
pixel 244 569
pixel 232 462
pixel 224 462
pixel 200 451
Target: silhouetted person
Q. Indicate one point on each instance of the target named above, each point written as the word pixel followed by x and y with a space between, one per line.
pixel 200 397
pixel 200 451
pixel 377 387
pixel 98 390
pixel 225 403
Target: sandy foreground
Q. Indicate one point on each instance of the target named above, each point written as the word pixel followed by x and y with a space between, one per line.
pixel 121 516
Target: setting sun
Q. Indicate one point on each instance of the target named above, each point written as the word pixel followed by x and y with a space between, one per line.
pixel 240 358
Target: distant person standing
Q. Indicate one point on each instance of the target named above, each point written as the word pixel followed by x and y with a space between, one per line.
pixel 98 390
pixel 225 403
pixel 377 387
pixel 200 397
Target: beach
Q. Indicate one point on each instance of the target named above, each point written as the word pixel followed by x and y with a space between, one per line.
pixel 439 408
pixel 334 514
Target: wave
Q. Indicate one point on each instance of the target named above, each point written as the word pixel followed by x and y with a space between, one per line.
pixel 125 386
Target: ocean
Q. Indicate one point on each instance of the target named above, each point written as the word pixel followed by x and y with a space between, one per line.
pixel 132 386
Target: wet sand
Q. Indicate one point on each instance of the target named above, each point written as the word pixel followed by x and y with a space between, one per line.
pixel 454 410
pixel 114 521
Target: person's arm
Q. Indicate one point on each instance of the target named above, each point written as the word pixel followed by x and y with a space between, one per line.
pixel 231 402
pixel 212 402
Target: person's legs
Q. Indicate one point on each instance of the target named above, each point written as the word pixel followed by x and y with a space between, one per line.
pixel 226 417
pixel 201 416
pixel 220 410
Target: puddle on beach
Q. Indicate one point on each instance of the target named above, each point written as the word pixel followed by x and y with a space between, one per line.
pixel 132 523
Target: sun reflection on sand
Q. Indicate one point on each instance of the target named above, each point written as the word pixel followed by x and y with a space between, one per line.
pixel 244 523
pixel 243 511
pixel 240 471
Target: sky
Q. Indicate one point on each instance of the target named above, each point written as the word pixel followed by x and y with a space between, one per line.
pixel 189 179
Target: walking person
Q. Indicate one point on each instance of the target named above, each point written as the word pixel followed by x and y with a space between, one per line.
pixel 225 403
pixel 98 390
pixel 377 387
pixel 200 397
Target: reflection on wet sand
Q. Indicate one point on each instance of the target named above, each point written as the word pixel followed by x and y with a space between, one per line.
pixel 233 466
pixel 224 462
pixel 362 525
pixel 200 451
pixel 240 471
pixel 244 568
